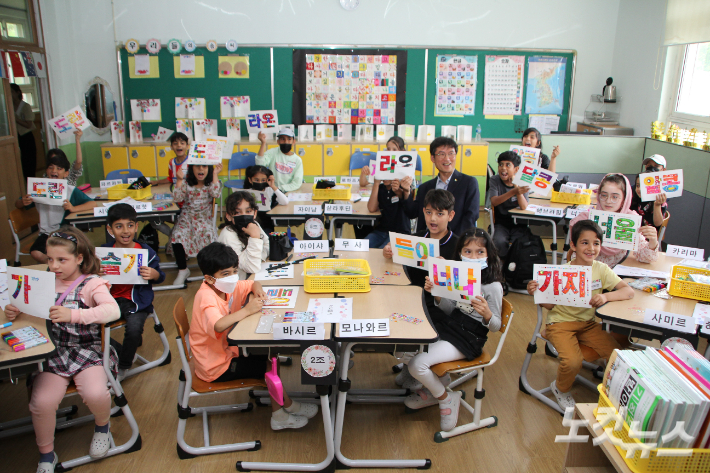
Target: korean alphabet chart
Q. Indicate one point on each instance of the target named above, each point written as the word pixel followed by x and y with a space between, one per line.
pixel 663 182
pixel 563 284
pixel 503 90
pixel 455 279
pixel 620 230
pixel 351 89
pixel 455 84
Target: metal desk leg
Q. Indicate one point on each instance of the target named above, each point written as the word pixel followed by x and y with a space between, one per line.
pixel 343 387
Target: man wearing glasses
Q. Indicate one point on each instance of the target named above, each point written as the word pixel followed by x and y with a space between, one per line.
pixel 464 188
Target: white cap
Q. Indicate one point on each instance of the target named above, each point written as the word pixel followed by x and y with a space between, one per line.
pixel 286 132
pixel 656 158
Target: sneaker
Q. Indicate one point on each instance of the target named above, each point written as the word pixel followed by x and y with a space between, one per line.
pixel 100 444
pixel 403 376
pixel 420 399
pixel 308 411
pixel 564 400
pixel 47 467
pixel 121 375
pixel 412 384
pixel 449 410
pixel 181 277
pixel 283 420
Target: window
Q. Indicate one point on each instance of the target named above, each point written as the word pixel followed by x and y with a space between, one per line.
pixel 15 21
pixel 693 92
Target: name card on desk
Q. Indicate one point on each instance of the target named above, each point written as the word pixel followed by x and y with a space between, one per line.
pixel 702 316
pixel 316 246
pixel 349 179
pixel 343 244
pixel 705 326
pixel 669 320
pixel 299 331
pixel 696 254
pixel 109 183
pixel 131 180
pixel 323 178
pixel 139 206
pixel 572 213
pixel 338 209
pixel 550 211
pixel 307 209
pixel 365 328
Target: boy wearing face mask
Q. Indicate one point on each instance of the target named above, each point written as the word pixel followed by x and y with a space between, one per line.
pixel 283 162
pixel 243 233
pixel 135 301
pixel 221 302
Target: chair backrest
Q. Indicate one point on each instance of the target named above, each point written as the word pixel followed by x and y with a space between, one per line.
pixel 124 174
pixel 242 160
pixel 182 324
pixel 360 159
pixel 664 225
pixel 505 314
pixel 22 219
pixel 419 164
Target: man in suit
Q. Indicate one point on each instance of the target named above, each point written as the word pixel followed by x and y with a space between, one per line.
pixel 464 188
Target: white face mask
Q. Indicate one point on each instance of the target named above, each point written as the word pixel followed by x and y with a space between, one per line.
pixel 227 284
pixel 482 261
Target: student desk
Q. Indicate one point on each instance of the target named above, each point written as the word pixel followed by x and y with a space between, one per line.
pixel 552 221
pixel 378 265
pixel 32 356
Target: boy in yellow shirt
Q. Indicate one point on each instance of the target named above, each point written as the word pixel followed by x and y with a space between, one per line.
pixel 568 326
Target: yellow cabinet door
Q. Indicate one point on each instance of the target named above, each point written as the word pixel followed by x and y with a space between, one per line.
pixel 312 157
pixel 114 158
pixel 336 160
pixel 142 158
pixel 373 147
pixel 423 152
pixel 165 155
pixel 474 160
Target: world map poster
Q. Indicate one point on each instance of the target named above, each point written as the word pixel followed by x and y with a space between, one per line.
pixel 546 85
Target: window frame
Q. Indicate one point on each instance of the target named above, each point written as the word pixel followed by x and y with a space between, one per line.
pixel 33 44
pixel 675 60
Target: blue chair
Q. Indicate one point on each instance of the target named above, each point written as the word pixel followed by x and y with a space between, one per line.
pixel 124 174
pixel 240 160
pixel 360 159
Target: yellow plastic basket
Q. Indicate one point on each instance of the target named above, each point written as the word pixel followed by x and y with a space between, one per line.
pixel 688 289
pixel 332 194
pixel 339 283
pixel 119 191
pixel 566 198
pixel 698 461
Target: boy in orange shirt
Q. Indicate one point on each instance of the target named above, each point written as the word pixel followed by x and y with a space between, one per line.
pixel 214 312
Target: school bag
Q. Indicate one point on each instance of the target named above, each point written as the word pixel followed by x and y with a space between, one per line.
pixel 526 251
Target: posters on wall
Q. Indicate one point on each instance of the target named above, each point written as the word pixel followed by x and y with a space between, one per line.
pixel 455 84
pixel 503 88
pixel 546 85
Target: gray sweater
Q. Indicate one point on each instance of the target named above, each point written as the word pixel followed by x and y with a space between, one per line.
pixel 492 293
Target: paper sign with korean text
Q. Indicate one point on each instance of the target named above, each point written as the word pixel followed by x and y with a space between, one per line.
pixel 346 244
pixel 32 291
pixel 281 297
pixel 669 320
pixel 47 191
pixel 556 212
pixel 364 328
pixel 66 124
pixel 210 151
pixel 538 179
pixel 139 206
pixel 395 164
pixel 299 331
pixel 263 203
pixel 697 254
pixel 311 246
pixel 316 180
pixel 234 107
pixel 350 180
pixel 455 280
pixel 527 155
pixel 105 184
pixel 338 209
pixel 307 209
pixel 413 251
pixel 147 110
pixel 262 120
pixel 190 107
pixel 122 265
pixel 662 182
pixel 620 230
pixel 563 284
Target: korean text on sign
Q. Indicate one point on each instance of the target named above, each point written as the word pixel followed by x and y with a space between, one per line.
pixel 455 280
pixel 413 251
pixel 395 164
pixel 663 182
pixel 620 230
pixel 539 179
pixel 365 328
pixel 263 120
pixel 563 284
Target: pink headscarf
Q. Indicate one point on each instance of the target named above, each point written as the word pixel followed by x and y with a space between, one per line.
pixel 625 209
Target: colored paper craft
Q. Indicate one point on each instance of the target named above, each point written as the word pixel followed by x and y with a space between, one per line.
pixel 663 182
pixel 146 110
pixel 233 67
pixel 234 129
pixel 210 151
pixel 377 280
pixel 331 310
pixel 395 164
pixel 538 179
pixel 234 107
pixel 122 265
pixel 184 126
pixel 136 131
pixel 563 284
pixel 455 280
pixel 193 108
pixel 527 154
pixel 118 132
pixel 324 132
pixel 153 70
pixel 262 120
pixel 183 65
pixel 163 134
pixel 187 64
pixel 620 230
pixel 413 251
pixel 142 65
pixel 397 317
pixel 262 202
pixel 204 128
pixel 65 124
pixel 384 132
pixel 47 191
pixel 31 291
pixel 281 297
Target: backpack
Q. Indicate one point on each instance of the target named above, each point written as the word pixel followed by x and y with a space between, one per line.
pixel 526 251
pixel 149 236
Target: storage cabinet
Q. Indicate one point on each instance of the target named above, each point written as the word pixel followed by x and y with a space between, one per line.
pixel 114 158
pixel 312 156
pixel 473 159
pixel 336 159
pixel 142 158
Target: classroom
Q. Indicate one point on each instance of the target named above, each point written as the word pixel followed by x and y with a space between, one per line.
pixel 369 235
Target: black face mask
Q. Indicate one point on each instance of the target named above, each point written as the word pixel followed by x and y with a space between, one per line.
pixel 285 148
pixel 241 221
pixel 259 186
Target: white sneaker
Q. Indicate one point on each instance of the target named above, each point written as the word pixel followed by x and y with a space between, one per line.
pixel 283 420
pixel 181 277
pixel 403 376
pixel 564 400
pixel 420 399
pixel 412 384
pixel 100 444
pixel 47 467
pixel 449 410
pixel 308 411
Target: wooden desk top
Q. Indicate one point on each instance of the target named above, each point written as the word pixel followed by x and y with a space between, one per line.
pixel 244 333
pixel 161 189
pixel 663 263
pixel 31 355
pixel 359 208
pixel 378 265
pixel 381 302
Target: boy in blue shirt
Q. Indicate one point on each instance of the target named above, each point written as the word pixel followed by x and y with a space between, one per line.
pixel 135 300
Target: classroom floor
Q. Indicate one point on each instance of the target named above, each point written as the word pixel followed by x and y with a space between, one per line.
pixel 523 440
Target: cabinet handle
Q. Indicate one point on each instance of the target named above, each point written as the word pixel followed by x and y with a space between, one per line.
pixel 107 154
pixel 301 151
pixel 329 152
pixel 161 153
pixel 468 153
pixel 134 154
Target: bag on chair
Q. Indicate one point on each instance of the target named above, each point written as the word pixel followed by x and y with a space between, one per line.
pixel 279 246
pixel 525 252
pixel 149 236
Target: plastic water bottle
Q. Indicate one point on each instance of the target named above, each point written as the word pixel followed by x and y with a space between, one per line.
pixel 478 133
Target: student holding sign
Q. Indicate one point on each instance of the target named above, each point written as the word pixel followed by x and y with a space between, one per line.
pixel 261 180
pixel 614 195
pixel 286 165
pixel 387 198
pixel 76 168
pixel 395 143
pixel 533 139
pixel 464 330
pixel 134 300
pixel 243 234
pixel 51 217
pixel 506 196
pixel 652 212
pixel 83 303
pixel 569 326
